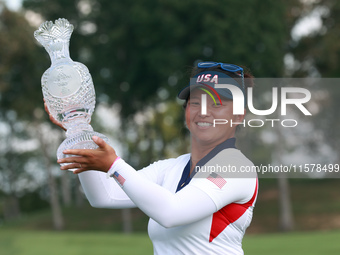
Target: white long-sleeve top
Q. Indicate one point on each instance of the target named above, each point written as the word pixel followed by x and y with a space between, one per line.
pixel 208 216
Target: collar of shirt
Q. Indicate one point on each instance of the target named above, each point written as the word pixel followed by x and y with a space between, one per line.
pixel 186 177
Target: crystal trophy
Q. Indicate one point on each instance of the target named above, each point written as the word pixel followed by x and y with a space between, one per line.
pixel 67 88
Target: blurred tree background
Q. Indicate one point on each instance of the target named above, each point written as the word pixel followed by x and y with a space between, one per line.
pixel 140 54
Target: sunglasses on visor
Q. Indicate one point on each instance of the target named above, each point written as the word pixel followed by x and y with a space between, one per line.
pixel 227 67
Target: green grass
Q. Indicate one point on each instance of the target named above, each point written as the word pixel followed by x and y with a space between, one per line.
pixel 88 230
pixel 298 243
pixel 72 243
pixel 19 242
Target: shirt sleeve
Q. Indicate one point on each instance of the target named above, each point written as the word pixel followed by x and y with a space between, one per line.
pixel 224 191
pixel 103 192
pixel 168 209
pixel 224 179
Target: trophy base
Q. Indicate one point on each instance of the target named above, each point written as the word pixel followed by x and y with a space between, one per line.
pixel 81 140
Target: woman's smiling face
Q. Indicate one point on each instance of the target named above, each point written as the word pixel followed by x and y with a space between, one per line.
pixel 201 126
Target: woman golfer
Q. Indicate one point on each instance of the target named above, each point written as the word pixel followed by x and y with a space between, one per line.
pixel 198 203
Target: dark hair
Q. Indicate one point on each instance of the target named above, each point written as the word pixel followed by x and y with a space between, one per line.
pixel 248 77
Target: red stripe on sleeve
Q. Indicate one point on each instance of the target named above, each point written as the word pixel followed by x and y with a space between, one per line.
pixel 229 214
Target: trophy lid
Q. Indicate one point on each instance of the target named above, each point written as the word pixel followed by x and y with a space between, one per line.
pixel 54 36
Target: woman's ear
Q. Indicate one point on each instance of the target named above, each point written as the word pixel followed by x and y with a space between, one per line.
pixel 240 117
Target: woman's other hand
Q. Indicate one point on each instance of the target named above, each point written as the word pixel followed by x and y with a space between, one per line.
pixel 99 159
pixel 53 120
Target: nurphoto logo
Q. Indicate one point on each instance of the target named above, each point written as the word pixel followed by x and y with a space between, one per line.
pixel 239 103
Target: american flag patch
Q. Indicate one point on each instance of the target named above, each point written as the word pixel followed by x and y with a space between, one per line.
pixel 120 179
pixel 217 180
